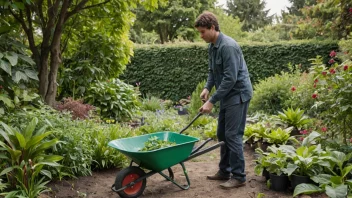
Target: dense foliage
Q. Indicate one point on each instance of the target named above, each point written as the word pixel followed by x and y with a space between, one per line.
pixel 173 72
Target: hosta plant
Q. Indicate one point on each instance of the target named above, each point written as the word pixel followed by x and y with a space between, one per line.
pixel 293 117
pixel 25 159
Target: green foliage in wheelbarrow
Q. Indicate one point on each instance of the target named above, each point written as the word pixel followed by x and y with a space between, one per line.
pixel 153 143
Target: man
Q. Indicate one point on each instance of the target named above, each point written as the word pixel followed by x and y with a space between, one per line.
pixel 228 72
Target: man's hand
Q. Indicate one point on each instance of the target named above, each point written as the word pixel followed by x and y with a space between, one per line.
pixel 206 108
pixel 204 95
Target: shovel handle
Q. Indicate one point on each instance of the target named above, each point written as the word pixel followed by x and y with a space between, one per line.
pixel 194 119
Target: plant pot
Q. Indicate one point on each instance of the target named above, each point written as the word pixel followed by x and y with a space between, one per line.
pixel 297 179
pixel 266 174
pixel 264 146
pixel 294 132
pixel 278 182
pixel 182 111
pixel 250 141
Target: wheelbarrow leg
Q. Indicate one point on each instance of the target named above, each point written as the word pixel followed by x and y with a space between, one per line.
pixel 183 187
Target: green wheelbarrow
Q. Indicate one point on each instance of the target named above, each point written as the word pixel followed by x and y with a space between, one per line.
pixel 131 181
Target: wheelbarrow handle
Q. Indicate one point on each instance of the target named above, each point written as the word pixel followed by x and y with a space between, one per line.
pixel 194 119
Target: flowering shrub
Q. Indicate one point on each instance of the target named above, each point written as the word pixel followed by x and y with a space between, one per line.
pixel 333 83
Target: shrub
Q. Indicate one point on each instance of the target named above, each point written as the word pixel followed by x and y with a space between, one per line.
pixel 151 104
pixel 114 98
pixel 270 95
pixel 75 107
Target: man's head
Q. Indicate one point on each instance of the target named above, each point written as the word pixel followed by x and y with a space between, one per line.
pixel 208 26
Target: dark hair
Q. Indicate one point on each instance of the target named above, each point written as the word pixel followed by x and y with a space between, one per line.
pixel 207 19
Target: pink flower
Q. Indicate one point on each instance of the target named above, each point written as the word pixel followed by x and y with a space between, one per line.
pixel 324 129
pixel 324 73
pixel 332 53
pixel 293 88
pixel 302 138
pixel 345 67
pixel 315 95
pixel 304 132
pixel 332 71
pixel 316 80
pixel 331 61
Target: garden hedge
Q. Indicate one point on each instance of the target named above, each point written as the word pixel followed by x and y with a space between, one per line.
pixel 173 71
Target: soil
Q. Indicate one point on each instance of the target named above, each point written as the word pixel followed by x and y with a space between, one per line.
pixel 98 185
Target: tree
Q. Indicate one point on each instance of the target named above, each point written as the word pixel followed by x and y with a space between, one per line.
pixel 173 19
pixel 250 12
pixel 326 19
pixel 44 23
pixel 296 5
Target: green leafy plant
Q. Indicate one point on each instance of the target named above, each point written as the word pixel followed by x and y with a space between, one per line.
pixel 196 101
pixel 154 143
pixel 333 95
pixel 24 153
pixel 279 136
pixel 114 98
pixel 293 117
pixel 255 132
pixel 151 104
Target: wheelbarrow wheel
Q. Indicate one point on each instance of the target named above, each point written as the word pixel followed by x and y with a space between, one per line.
pixel 128 175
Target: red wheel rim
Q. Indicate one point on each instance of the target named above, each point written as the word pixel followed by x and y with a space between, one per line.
pixel 133 189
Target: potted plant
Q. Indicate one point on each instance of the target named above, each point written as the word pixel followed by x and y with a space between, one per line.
pixel 280 136
pixel 306 162
pixel 277 163
pixel 261 164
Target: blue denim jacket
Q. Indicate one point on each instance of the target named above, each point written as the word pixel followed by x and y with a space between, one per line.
pixel 228 72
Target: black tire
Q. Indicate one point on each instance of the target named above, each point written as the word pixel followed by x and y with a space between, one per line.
pixel 125 177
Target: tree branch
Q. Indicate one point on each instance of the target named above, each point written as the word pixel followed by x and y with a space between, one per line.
pixel 80 7
pixel 19 19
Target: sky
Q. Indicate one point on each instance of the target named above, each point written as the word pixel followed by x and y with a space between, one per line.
pixel 275 6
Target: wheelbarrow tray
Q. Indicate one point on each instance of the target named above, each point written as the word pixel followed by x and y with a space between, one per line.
pixel 159 159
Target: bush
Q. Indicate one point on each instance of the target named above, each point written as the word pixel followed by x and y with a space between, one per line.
pixel 114 98
pixel 151 104
pixel 270 95
pixel 75 107
pixel 173 71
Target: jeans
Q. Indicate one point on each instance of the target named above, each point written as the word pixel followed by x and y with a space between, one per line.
pixel 231 125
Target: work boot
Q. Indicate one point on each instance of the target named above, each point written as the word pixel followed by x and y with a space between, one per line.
pixel 232 183
pixel 218 176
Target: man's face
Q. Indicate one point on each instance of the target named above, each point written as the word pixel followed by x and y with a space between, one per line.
pixel 206 34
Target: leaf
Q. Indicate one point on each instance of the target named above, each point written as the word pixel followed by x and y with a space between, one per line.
pixel 31 74
pixel 19 76
pixel 28 131
pixel 13 58
pixel 27 59
pixel 6 170
pixel 322 178
pixel 46 173
pixel 338 192
pixel 306 189
pixel 21 139
pixel 6 67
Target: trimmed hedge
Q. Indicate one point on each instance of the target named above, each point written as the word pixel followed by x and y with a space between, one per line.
pixel 173 71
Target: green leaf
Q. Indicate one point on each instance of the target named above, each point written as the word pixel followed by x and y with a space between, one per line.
pixel 36 139
pixel 31 74
pixel 6 170
pixel 306 189
pixel 322 178
pixel 19 76
pixel 21 139
pixel 338 192
pixel 13 58
pixel 6 67
pixel 6 100
pixel 46 173
pixel 26 59
pixel 28 131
